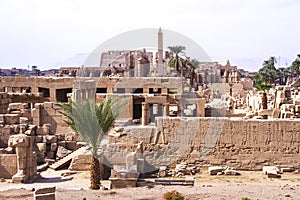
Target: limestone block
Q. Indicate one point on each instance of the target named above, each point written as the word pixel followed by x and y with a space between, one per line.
pixel 214 170
pixel 42 147
pixel 71 145
pixel 62 152
pixel 50 155
pixel 8 163
pixel 49 139
pixel 39 130
pixel 7 130
pixel 80 144
pixel 23 120
pixel 46 129
pixel 46 119
pixel 48 105
pixel 38 139
pixel 297 108
pixel 61 143
pixel 2 117
pixel 53 147
pixel 38 105
pixel 11 119
pixel 45 194
pixel 35 113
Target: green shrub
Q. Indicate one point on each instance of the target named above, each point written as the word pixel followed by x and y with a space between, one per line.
pixel 173 195
pixel 245 198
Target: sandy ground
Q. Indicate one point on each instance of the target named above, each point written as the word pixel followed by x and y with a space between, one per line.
pixel 253 185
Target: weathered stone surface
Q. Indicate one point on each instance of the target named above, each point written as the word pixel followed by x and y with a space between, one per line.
pixel 214 170
pixel 50 138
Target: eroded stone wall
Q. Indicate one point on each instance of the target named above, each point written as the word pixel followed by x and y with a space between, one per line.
pixel 243 144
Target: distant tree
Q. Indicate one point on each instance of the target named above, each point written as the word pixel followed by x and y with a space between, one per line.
pixel 193 64
pixel 176 61
pixel 35 71
pixel 295 67
pixel 264 87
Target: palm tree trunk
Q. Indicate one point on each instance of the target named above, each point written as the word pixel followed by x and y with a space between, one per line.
pixel 264 101
pixel 95 174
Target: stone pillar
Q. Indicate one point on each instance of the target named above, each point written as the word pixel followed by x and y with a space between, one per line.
pixel 166 109
pixel 145 113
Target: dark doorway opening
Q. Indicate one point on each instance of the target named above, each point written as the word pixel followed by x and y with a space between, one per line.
pixel 61 94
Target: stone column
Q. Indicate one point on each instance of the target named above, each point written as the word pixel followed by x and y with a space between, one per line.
pixel 166 109
pixel 145 113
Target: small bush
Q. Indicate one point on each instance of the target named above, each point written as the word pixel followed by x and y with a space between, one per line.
pixel 112 192
pixel 173 195
pixel 245 198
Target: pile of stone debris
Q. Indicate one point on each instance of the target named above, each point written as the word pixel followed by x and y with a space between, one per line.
pixel 180 170
pixel 218 170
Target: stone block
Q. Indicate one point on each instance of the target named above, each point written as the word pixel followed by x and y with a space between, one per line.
pixel 71 145
pixel 50 155
pixel 38 105
pixel 214 170
pixel 53 147
pixel 44 194
pixel 35 113
pixel 38 139
pixel 23 120
pixel 39 130
pixel 61 143
pixel 48 105
pixel 46 129
pixel 49 139
pixel 30 132
pixel 11 119
pixel 42 147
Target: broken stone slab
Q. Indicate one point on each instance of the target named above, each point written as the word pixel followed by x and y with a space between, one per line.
pixel 287 169
pixel 266 169
pixel 62 152
pixel 231 172
pixel 273 174
pixel 213 170
pixel 45 193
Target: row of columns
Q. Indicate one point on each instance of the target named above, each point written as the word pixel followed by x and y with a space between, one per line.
pixel 145 112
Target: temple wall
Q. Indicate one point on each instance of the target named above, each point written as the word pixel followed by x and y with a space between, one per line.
pixel 243 144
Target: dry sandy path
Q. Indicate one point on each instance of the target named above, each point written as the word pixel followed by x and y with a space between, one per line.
pixel 253 185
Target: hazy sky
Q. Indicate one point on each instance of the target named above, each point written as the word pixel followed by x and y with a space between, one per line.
pixel 46 32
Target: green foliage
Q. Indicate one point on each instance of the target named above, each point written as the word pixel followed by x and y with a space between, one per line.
pixel 263 86
pixel 176 61
pixel 245 198
pixel 173 195
pixel 91 121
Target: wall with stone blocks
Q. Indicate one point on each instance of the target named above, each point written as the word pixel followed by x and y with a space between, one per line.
pixel 8 165
pixel 4 101
pixel 243 144
pixel 48 113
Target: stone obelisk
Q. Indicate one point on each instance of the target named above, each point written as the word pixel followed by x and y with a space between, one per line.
pixel 160 64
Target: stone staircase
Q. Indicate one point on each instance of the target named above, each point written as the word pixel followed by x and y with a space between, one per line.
pixel 64 161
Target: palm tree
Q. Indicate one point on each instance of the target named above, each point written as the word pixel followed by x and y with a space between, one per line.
pixel 91 122
pixel 295 67
pixel 263 87
pixel 176 61
pixel 230 89
pixel 194 63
